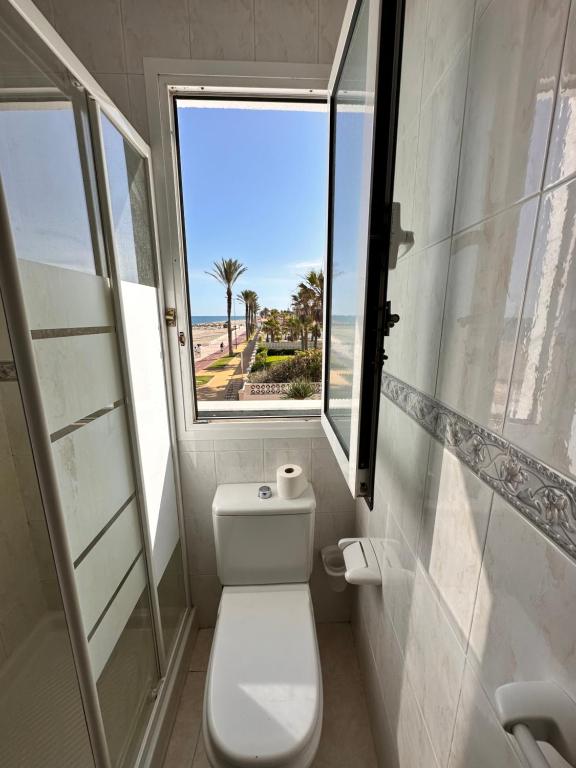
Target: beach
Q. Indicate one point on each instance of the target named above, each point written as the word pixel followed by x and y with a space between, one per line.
pixel 207 337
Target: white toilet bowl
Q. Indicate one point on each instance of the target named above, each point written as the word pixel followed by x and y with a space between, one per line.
pixel 263 697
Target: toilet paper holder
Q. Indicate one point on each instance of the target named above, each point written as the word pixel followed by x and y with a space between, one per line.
pixel 362 566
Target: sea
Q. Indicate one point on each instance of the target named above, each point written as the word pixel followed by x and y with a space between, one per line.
pixel 199 319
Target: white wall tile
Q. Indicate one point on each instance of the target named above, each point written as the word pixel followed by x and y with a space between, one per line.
pixel 238 445
pixel 449 25
pixel 488 269
pixel 542 407
pixel 332 494
pixel 524 620
pixel 222 29
pixel 205 593
pixel 401 462
pixel 413 49
pixel 435 661
pixel 239 466
pixel 153 29
pixel 437 163
pixel 398 566
pixel 331 14
pixel 278 451
pixel 479 739
pixel 417 288
pixel 513 76
pixel 562 152
pixel 455 521
pixel 286 30
pixel 92 28
pixel 138 106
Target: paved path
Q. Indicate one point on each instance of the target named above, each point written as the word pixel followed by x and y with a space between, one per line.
pixel 226 382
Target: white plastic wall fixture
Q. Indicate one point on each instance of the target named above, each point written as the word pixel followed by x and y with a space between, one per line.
pixel 543 711
pixel 362 566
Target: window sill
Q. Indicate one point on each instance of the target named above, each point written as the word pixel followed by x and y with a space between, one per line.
pixel 251 428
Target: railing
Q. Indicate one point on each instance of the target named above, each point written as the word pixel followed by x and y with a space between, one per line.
pixel 269 390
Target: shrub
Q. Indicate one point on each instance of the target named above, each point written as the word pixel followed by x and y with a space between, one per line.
pixel 259 361
pixel 303 365
pixel 299 389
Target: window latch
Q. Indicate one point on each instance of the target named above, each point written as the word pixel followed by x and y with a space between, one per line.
pixel 170 316
pixel 182 338
pixel 390 319
pixel 399 238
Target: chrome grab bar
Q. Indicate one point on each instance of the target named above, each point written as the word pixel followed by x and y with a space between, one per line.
pixel 538 711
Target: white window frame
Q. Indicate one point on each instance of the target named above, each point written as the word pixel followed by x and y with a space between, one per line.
pixel 164 79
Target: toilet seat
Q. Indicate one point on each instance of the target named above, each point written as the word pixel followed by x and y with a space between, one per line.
pixel 263 698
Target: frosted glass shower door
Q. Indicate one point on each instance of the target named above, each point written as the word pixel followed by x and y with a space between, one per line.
pixel 133 250
pixel 61 266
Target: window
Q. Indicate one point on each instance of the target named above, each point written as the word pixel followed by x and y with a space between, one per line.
pixel 253 185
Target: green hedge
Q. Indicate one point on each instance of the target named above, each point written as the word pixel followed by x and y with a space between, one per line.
pixel 303 365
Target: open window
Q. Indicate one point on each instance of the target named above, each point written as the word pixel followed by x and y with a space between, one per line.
pixel 253 179
pixel 363 96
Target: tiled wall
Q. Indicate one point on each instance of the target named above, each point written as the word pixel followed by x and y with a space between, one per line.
pixel 112 37
pixel 474 595
pixel 205 463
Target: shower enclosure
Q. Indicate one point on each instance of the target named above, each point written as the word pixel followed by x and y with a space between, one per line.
pixel 94 610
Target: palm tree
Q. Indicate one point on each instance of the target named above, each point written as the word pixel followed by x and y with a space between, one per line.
pixel 227 271
pixel 313 286
pixel 246 298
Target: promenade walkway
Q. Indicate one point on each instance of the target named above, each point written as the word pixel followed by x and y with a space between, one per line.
pixel 227 381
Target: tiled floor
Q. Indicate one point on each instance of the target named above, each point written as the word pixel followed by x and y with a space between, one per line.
pixel 346 738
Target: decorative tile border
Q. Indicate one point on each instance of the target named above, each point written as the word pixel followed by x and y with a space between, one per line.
pixel 538 492
pixel 8 371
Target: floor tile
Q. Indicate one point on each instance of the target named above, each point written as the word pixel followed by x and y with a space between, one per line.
pixel 346 737
pixel 201 651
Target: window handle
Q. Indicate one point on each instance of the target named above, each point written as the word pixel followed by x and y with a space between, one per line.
pixel 538 711
pixel 399 238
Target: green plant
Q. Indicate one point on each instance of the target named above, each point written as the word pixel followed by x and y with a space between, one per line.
pixel 299 389
pixel 302 365
pixel 259 361
pixel 201 380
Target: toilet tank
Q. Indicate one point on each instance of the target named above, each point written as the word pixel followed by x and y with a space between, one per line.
pixel 262 540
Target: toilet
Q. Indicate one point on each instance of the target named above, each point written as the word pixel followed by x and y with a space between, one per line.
pixel 263 697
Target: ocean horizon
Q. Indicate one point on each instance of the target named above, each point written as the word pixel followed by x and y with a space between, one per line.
pixel 198 319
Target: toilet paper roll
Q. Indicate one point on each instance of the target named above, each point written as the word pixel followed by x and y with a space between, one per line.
pixel 291 481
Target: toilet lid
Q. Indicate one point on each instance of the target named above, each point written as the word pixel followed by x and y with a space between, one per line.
pixel 264 689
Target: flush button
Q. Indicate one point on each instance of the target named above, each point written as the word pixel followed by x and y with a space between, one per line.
pixel 264 492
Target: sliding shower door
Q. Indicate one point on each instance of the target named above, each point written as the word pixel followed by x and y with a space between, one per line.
pixel 86 265
pixel 133 252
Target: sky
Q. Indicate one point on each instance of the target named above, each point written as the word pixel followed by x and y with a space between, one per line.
pixel 254 189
